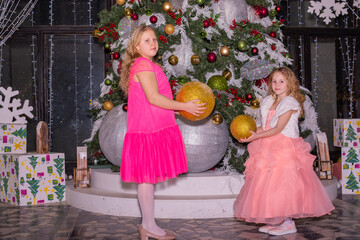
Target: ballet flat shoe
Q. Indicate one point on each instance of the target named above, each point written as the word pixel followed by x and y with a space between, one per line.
pixel 266 228
pixel 283 229
pixel 145 235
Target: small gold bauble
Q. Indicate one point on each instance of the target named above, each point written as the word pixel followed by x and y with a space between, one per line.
pixel 227 74
pixel 96 33
pixel 169 29
pixel 167 6
pixel 255 103
pixel 224 51
pixel 195 59
pixel 128 12
pixel 108 105
pixel 217 118
pixel 121 2
pixel 173 60
pixel 159 58
pixel 196 90
pixel 241 126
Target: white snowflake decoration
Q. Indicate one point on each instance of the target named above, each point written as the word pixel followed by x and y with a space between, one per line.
pixel 10 111
pixel 328 9
pixel 356 3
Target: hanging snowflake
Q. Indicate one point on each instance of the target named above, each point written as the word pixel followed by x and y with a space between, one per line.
pixel 328 9
pixel 10 111
pixel 356 3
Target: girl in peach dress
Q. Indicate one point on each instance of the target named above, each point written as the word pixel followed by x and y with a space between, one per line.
pixel 280 183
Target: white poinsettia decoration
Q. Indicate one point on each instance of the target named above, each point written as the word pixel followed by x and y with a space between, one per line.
pixel 10 110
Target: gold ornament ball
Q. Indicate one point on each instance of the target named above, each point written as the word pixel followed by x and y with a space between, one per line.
pixel 108 105
pixel 196 90
pixel 128 12
pixel 121 2
pixel 227 74
pixel 96 33
pixel 217 118
pixel 224 51
pixel 169 29
pixel 241 126
pixel 167 6
pixel 255 103
pixel 173 60
pixel 195 59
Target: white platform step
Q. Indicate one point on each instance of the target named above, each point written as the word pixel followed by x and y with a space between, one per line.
pixel 190 196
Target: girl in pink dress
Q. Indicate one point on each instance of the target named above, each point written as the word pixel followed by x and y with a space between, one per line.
pixel 153 148
pixel 280 183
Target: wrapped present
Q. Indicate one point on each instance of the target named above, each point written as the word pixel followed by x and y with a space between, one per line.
pixel 350 162
pixel 346 132
pixel 32 178
pixel 12 138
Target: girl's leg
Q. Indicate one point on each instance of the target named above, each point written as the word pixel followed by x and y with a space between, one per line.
pixel 146 200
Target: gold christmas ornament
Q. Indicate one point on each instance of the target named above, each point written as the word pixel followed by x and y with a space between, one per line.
pixel 217 118
pixel 108 105
pixel 241 126
pixel 128 12
pixel 121 2
pixel 195 59
pixel 173 60
pixel 96 33
pixel 196 90
pixel 302 98
pixel 255 103
pixel 167 6
pixel 169 29
pixel 159 58
pixel 227 74
pixel 224 51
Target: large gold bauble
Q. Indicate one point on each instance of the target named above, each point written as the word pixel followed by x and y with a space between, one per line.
pixel 108 105
pixel 96 33
pixel 241 126
pixel 224 51
pixel 195 59
pixel 227 74
pixel 121 2
pixel 196 90
pixel 255 103
pixel 217 118
pixel 167 6
pixel 169 29
pixel 128 12
pixel 173 60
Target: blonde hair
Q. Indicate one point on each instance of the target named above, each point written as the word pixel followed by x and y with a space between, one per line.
pixel 292 83
pixel 131 54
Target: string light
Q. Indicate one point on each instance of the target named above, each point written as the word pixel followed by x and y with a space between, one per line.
pixel 50 75
pixel 300 15
pixel 34 65
pixel 1 62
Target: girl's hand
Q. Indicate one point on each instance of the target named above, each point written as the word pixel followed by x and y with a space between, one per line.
pixel 195 108
pixel 249 139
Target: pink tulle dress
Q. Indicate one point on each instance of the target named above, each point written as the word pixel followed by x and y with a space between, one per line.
pixel 153 148
pixel 280 181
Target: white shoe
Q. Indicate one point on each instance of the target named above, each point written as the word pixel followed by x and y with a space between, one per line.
pixel 285 228
pixel 266 228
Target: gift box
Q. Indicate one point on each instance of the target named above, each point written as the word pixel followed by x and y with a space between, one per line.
pixel 350 161
pixel 32 178
pixel 346 132
pixel 12 138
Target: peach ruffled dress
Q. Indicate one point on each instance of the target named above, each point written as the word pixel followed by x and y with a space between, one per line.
pixel 153 148
pixel 280 181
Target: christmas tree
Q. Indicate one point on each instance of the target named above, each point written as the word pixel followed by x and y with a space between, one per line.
pixel 59 165
pixel 352 156
pixel 351 184
pixel 60 191
pixel 340 134
pixel 350 134
pixel 33 186
pixel 33 161
pixel 231 45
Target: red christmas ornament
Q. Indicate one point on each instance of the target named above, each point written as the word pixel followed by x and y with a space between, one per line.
pixel 206 23
pixel 272 34
pixel 278 9
pixel 257 10
pixel 125 107
pixel 211 57
pixel 264 12
pixel 116 55
pixel 134 16
pixel 254 51
pixel 153 19
pixel 249 96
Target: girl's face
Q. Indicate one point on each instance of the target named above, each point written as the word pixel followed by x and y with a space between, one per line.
pixel 279 85
pixel 148 45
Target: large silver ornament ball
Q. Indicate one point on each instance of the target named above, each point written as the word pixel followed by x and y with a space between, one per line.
pixel 205 142
pixel 111 134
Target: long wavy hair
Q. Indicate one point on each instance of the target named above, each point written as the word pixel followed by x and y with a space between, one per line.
pixel 131 54
pixel 293 86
